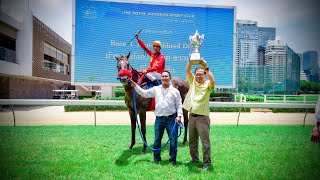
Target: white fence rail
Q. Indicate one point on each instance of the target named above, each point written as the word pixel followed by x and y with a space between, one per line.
pixel 286 98
pixel 51 102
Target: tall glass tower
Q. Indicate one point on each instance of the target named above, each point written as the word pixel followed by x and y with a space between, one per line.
pixel 247 55
pixel 310 65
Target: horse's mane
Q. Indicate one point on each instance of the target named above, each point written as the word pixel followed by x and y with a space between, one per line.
pixel 135 74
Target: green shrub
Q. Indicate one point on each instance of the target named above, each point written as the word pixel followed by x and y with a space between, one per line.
pixel 111 98
pixel 228 109
pixel 220 94
pixel 255 99
pixel 119 92
pixel 70 108
pixel 293 110
pixel 83 97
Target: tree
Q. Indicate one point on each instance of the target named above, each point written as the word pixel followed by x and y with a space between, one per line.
pixel 307 86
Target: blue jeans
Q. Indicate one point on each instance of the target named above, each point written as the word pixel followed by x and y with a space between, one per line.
pixel 159 126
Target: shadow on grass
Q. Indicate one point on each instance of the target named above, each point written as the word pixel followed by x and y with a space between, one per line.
pixel 122 160
pixel 197 168
pixel 126 154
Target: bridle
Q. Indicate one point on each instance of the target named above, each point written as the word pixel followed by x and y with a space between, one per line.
pixel 125 71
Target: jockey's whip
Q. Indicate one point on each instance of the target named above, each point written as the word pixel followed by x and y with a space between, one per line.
pixel 134 36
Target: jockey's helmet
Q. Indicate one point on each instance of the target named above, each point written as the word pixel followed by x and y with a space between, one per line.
pixel 158 43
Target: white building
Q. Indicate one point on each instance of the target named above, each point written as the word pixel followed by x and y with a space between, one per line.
pixel 275 56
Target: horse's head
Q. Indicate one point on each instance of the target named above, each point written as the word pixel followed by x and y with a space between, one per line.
pixel 124 68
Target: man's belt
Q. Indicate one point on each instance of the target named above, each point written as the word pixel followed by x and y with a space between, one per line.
pixel 195 115
pixel 170 116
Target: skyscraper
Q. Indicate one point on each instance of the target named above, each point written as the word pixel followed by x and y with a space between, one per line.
pixel 247 50
pixel 282 70
pixel 265 34
pixel 310 65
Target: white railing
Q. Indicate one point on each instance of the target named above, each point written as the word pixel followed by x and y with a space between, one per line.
pixel 240 105
pixel 286 100
pixel 243 98
pixel 59 102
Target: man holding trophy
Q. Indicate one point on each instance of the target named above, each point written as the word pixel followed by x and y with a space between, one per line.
pixel 197 103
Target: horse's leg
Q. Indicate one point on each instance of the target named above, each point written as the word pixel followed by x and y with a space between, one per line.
pixel 185 122
pixel 133 129
pixel 142 116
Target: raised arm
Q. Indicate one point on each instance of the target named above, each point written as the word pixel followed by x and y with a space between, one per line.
pixel 143 46
pixel 188 71
pixel 208 72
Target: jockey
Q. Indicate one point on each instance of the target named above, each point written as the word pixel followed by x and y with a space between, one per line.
pixel 157 61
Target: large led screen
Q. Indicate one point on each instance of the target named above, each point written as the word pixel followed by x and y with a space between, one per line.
pixel 103 29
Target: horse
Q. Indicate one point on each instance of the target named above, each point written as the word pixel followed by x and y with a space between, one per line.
pixel 143 104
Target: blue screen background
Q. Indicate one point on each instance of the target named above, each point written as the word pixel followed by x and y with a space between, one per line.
pixel 102 30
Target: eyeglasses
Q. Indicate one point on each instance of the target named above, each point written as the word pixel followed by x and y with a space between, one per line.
pixel 199 75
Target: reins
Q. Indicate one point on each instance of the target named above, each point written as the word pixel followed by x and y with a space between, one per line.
pixel 145 143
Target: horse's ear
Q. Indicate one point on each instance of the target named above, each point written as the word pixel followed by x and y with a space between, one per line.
pixel 118 56
pixel 128 55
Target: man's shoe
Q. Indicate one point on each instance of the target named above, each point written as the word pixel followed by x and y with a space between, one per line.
pixel 192 162
pixel 155 162
pixel 206 167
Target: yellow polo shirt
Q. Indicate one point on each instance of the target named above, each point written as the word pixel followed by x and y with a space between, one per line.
pixel 197 99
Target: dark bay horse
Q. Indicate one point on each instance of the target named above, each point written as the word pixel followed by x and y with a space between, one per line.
pixel 142 103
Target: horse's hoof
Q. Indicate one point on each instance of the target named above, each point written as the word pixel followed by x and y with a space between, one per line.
pixel 143 152
pixel 130 149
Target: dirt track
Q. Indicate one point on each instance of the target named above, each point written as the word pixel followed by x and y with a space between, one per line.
pixel 55 115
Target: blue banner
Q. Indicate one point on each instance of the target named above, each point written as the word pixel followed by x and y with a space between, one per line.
pixel 103 29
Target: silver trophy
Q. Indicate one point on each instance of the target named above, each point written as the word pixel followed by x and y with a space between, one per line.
pixel 196 41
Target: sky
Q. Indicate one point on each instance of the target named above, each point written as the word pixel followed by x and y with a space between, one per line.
pixel 296 21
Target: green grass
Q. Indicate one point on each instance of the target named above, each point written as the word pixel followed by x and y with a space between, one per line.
pixel 101 152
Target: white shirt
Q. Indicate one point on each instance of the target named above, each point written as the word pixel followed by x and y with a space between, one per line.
pixel 168 100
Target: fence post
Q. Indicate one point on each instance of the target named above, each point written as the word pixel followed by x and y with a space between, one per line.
pixel 95 120
pixel 265 98
pixel 304 120
pixel 304 99
pixel 14 117
pixel 284 98
pixel 239 115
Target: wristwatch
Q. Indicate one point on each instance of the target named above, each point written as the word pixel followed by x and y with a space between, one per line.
pixel 206 69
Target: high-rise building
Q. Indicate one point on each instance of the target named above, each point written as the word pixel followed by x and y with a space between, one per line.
pixel 247 43
pixel 311 66
pixel 275 61
pixel 282 69
pixel 247 50
pixel 250 53
pixel 261 63
pixel 265 34
pixel 303 76
pixel 292 83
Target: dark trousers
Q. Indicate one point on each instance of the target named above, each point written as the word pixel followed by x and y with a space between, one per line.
pixel 160 125
pixel 200 127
